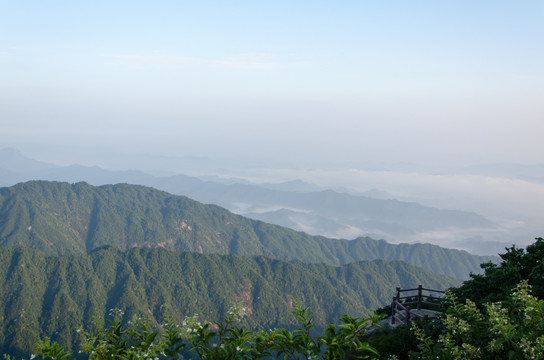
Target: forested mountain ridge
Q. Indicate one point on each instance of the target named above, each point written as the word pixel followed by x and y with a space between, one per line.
pixel 45 295
pixel 62 218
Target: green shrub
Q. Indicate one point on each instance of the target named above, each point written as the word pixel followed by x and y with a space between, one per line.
pixel 219 341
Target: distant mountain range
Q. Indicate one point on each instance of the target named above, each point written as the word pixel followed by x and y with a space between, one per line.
pixel 295 204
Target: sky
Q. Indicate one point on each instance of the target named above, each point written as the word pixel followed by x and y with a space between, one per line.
pixel 299 82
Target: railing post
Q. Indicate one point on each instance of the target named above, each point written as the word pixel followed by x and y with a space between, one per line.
pixel 419 296
pixel 407 314
pixel 393 307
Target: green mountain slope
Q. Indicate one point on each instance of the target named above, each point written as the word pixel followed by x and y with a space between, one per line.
pixel 61 218
pixel 46 295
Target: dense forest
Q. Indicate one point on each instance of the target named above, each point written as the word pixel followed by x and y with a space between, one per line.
pixel 46 295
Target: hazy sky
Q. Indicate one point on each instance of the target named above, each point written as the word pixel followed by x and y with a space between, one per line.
pixel 395 81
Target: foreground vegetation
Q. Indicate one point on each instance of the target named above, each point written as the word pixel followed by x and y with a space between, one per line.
pixel 224 340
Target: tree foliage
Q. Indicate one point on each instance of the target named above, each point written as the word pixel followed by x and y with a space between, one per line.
pixel 497 281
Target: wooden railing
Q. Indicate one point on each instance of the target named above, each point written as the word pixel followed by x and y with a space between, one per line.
pixel 402 306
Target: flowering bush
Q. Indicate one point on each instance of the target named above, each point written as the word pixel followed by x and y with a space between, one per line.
pixel 511 329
